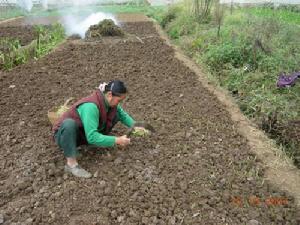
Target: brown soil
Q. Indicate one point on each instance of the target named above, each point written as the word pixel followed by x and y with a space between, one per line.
pixel 198 169
pixel 29 21
pixel 25 34
pixel 22 29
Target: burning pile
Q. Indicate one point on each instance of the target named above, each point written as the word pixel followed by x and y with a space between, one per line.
pixel 106 27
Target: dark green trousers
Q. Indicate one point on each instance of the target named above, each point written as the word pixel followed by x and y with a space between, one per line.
pixel 66 138
pixel 68 134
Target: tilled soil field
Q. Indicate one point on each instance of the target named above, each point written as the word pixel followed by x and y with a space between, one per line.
pixel 197 169
pixel 25 34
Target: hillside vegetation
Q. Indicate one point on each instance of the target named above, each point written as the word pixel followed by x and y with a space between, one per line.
pixel 245 50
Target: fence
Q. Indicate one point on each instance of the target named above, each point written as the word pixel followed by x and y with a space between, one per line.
pixel 13 8
pixel 7 8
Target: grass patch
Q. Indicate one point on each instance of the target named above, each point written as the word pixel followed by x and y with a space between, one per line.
pixel 281 14
pixel 11 12
pixel 6 13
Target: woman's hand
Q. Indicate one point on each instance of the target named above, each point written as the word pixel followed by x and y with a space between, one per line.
pixel 123 140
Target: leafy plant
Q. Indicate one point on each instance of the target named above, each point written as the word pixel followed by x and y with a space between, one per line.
pixel 202 10
pixel 48 37
pixel 12 53
pixel 9 53
pixel 217 56
pixel 219 15
pixel 170 15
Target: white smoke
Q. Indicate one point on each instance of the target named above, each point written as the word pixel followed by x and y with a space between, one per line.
pixel 83 2
pixel 45 4
pixel 25 4
pixel 73 26
pixel 70 11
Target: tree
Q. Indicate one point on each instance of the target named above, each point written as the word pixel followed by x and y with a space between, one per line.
pixel 201 9
pixel 219 15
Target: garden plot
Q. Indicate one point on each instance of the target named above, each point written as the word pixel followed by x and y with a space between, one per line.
pixel 20 43
pixel 22 29
pixel 13 39
pixel 25 34
pixel 197 170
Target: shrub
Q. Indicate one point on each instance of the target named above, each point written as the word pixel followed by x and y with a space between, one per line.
pixel 9 55
pixel 48 38
pixel 234 80
pixel 218 55
pixel 170 15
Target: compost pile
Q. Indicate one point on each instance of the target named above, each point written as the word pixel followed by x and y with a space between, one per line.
pixel 106 27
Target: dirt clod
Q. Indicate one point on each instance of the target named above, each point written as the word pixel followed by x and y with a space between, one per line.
pixel 253 222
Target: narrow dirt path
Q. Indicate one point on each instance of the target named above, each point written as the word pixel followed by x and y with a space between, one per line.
pixel 11 20
pixel 199 169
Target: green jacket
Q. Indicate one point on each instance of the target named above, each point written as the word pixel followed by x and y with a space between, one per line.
pixel 89 115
